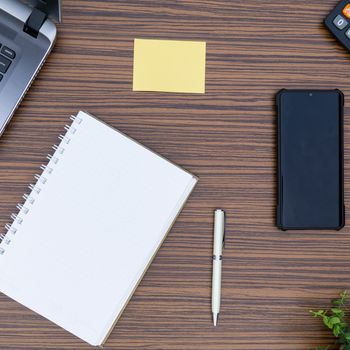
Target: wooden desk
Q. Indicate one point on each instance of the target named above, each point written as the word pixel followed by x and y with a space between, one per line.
pixel 227 137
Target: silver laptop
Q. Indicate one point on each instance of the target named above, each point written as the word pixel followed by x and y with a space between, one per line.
pixel 27 35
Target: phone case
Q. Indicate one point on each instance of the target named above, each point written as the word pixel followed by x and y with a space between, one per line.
pixel 280 170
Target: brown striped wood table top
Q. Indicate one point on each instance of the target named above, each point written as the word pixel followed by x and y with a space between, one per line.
pixel 227 137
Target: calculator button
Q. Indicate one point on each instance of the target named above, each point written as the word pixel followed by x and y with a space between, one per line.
pixel 340 22
pixel 348 33
pixel 346 11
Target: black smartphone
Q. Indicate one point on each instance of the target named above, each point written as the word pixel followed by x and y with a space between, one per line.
pixel 310 160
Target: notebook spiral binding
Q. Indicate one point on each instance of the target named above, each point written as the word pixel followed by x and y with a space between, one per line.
pixel 30 199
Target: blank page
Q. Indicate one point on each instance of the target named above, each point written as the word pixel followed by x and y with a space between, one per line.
pixel 79 247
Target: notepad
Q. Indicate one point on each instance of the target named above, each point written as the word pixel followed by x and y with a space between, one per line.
pixel 90 228
pixel 169 66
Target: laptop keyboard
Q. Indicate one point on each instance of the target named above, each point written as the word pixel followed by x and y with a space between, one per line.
pixel 6 57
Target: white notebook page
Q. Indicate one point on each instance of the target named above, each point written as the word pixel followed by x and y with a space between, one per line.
pixel 93 229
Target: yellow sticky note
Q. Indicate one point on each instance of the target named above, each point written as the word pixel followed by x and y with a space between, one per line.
pixel 169 66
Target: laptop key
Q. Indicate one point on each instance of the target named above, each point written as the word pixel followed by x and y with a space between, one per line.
pixel 8 52
pixel 4 64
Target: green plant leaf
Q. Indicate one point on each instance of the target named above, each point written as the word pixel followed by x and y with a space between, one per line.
pixel 336 330
pixel 327 323
pixel 334 320
pixel 338 312
pixel 319 313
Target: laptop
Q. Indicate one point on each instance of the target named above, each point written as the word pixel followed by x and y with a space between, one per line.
pixel 27 35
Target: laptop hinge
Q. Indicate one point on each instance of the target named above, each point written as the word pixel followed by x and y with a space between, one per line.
pixel 35 22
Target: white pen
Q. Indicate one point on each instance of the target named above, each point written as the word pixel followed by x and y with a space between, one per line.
pixel 219 239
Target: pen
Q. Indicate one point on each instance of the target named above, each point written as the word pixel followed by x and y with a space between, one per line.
pixel 219 240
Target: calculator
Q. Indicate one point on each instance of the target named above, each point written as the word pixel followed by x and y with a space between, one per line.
pixel 338 22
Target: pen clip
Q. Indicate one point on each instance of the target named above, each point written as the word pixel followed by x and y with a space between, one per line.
pixel 224 236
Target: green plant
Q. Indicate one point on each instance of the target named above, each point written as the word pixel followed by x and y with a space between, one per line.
pixel 334 319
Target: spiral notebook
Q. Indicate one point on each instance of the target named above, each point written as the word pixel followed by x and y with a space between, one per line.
pixel 90 227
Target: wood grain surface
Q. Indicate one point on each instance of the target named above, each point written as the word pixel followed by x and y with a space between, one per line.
pixel 227 137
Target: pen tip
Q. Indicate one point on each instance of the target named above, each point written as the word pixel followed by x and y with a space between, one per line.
pixel 215 319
